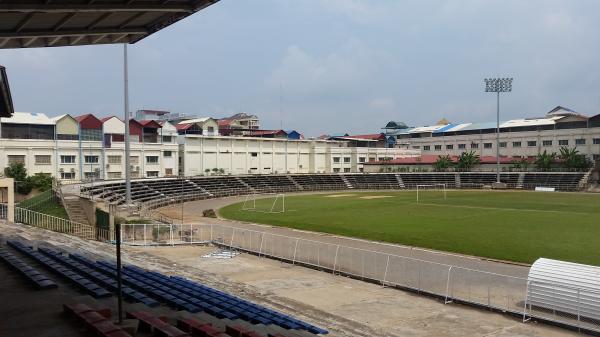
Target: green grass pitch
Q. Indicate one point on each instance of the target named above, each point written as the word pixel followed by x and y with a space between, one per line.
pixel 508 225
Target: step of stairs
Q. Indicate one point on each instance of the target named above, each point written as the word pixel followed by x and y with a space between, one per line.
pixel 298 186
pixel 348 184
pixel 75 211
pixel 400 181
pixel 520 180
pixel 457 182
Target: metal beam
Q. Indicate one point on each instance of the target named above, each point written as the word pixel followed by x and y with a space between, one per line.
pixel 24 22
pixel 130 19
pixel 46 33
pixel 74 41
pixel 53 40
pixel 29 42
pixel 98 20
pixel 97 39
pixel 68 8
pixel 63 21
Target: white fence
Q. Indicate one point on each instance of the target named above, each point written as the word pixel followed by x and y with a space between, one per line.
pixel 448 282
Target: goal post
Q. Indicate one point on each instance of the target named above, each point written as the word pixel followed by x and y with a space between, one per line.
pixel 431 187
pixel 264 202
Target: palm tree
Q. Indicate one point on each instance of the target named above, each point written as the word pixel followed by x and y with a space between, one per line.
pixel 467 160
pixel 545 160
pixel 443 163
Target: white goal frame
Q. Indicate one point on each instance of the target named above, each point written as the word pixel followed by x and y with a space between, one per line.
pixel 424 186
pixel 250 202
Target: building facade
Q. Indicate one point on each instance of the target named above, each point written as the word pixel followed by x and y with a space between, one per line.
pixel 561 127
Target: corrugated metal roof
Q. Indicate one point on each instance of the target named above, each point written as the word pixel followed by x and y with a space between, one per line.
pixel 29 118
pixel 195 120
pixel 430 128
pixel 529 122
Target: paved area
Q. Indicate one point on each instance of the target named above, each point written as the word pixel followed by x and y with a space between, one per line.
pixel 345 306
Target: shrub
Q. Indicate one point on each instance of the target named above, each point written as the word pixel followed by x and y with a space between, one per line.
pixel 209 213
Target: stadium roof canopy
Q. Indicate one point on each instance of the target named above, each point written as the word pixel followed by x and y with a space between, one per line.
pixel 6 104
pixel 52 23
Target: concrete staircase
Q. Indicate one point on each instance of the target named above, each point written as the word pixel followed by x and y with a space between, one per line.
pixel 250 188
pixel 520 180
pixel 74 210
pixel 457 182
pixel 199 188
pixel 584 182
pixel 348 184
pixel 298 186
pixel 399 180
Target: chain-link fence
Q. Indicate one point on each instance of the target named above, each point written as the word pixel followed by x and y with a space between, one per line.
pixel 448 282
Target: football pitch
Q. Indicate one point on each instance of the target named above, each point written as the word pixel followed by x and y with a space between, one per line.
pixel 508 225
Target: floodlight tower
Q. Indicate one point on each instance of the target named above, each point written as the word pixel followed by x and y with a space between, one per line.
pixel 498 85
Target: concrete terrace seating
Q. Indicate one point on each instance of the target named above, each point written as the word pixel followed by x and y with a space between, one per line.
pixel 560 181
pixel 35 277
pixel 163 191
pixel 72 276
pixel 469 179
pixel 373 181
pixel 411 180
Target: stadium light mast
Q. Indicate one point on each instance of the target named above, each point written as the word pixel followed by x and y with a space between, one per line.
pixel 126 116
pixel 498 85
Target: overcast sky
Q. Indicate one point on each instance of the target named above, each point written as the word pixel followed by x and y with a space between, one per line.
pixel 334 66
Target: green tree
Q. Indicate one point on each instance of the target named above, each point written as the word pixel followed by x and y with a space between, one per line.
pixel 41 181
pixel 443 163
pixel 207 171
pixel 18 172
pixel 544 160
pixel 221 171
pixel 520 164
pixel 468 160
pixel 572 159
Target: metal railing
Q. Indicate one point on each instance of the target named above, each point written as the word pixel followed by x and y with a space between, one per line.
pixel 448 282
pixel 56 224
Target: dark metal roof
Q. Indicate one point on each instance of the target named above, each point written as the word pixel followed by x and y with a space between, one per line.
pixel 6 105
pixel 52 23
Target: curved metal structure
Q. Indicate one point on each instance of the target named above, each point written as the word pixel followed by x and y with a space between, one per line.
pixel 565 288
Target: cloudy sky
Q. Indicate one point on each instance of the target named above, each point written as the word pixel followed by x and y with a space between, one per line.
pixel 334 66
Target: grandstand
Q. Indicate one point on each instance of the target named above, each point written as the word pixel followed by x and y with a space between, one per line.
pixel 202 310
pixel 163 191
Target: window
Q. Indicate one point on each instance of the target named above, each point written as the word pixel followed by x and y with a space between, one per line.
pixel 254 154
pixel 114 175
pixel 114 159
pixel 67 159
pixel 152 160
pixel 169 172
pixel 211 129
pixel 416 147
pixel 152 174
pixel 346 159
pixel 42 159
pixel 563 142
pixel 426 148
pixel 516 144
pixel 462 146
pixel 91 134
pixel 596 141
pixel 91 159
pixel 449 147
pixel 346 170
pixel 167 139
pixel 65 136
pixel 487 145
pixel 168 154
pixel 336 159
pixel 134 160
pixel 91 175
pixel 474 145
pixel 531 143
pixel 438 147
pixel 12 159
pixel 361 159
pixel 502 144
pixel 67 175
pixel 546 143
pixel 580 141
pixel 336 170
